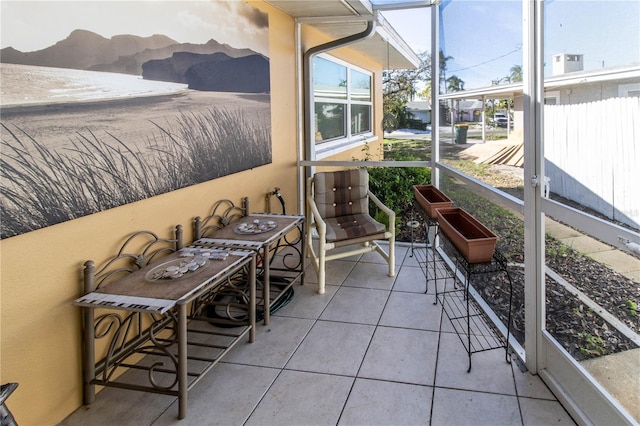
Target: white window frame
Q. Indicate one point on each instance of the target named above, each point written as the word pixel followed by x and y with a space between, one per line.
pixel 555 94
pixel 628 90
pixel 334 146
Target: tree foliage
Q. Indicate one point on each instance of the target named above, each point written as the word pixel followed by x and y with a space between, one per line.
pixel 515 74
pixel 455 84
pixel 399 87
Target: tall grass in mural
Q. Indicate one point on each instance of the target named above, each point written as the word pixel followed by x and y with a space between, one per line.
pixel 42 186
pixel 204 139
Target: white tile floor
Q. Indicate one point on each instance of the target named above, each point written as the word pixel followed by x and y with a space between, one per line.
pixel 372 350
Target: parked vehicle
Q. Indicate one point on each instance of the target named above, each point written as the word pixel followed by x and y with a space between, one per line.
pixel 500 119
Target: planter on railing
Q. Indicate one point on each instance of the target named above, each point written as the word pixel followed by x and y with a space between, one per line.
pixel 430 199
pixel 472 239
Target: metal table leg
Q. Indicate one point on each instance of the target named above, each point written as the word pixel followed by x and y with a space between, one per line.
pixel 266 289
pixel 182 361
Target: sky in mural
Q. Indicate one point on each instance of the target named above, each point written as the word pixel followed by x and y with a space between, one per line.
pixel 29 26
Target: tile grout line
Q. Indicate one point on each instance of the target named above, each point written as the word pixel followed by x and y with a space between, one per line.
pixel 435 371
pixel 284 366
pixel 355 378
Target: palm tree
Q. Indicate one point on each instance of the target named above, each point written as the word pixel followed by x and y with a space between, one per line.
pixel 443 68
pixel 426 92
pixel 515 74
pixel 455 84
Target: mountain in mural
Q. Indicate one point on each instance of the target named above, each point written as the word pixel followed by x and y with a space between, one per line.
pixel 156 57
pixel 84 49
pixel 132 64
pixel 215 72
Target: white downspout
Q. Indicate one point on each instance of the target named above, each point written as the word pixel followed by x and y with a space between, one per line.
pixel 307 72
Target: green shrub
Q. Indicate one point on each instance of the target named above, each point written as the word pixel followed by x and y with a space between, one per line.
pixel 394 185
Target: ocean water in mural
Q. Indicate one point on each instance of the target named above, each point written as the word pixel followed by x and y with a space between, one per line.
pixel 27 85
pixel 90 122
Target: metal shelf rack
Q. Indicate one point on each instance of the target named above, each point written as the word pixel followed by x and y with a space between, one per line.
pixel 475 330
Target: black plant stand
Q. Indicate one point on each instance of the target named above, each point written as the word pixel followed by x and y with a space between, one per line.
pixel 419 218
pixel 472 325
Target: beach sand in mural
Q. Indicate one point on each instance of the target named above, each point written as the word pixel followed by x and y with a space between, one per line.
pixel 130 120
pixel 64 161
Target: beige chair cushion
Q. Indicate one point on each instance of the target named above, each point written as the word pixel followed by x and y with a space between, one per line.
pixel 341 193
pixel 352 226
pixel 342 201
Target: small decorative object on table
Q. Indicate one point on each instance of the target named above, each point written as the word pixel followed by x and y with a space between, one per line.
pixel 176 268
pixel 208 253
pixel 255 227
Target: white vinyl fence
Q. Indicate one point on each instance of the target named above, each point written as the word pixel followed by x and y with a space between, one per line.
pixel 592 153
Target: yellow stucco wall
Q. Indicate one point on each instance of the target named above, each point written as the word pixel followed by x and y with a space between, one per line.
pixel 40 271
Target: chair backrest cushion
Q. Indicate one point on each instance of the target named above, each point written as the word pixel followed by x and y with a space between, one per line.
pixel 341 193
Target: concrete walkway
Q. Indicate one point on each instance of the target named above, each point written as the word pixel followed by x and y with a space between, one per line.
pixel 617 260
pixel 619 374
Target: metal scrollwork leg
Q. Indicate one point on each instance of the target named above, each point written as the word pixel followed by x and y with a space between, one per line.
pixel 117 328
pixel 162 345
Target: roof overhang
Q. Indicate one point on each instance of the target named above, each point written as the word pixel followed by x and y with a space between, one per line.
pixel 341 18
pixel 507 91
pixel 582 77
pixel 504 91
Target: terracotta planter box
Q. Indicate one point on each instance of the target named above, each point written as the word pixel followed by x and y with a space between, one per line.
pixel 472 239
pixel 430 199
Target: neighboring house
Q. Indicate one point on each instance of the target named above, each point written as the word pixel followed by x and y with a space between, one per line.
pixel 465 110
pixel 420 110
pixel 470 110
pixel 585 109
pixel 569 88
pixel 588 86
pixel 564 63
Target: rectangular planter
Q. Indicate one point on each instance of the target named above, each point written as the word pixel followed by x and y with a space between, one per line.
pixel 472 239
pixel 430 199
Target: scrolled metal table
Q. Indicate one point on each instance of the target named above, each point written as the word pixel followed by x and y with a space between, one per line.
pixel 152 326
pixel 285 235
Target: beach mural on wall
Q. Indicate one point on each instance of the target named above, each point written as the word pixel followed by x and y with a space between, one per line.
pixel 107 103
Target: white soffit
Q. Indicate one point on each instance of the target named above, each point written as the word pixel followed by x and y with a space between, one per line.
pixel 319 8
pixel 332 17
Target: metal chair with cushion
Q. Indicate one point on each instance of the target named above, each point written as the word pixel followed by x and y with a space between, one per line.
pixel 338 211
